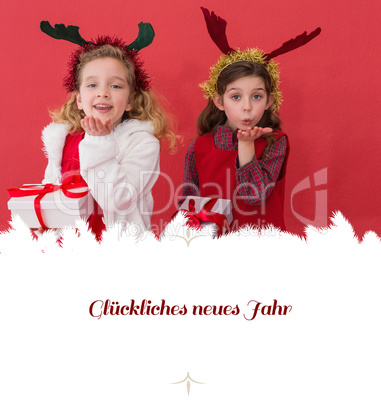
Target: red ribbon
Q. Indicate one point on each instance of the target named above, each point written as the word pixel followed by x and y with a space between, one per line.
pixel 41 189
pixel 206 215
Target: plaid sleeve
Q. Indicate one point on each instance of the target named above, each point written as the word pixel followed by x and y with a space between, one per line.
pixel 190 176
pixel 256 180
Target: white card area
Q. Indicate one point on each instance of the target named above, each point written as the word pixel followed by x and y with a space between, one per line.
pixel 326 348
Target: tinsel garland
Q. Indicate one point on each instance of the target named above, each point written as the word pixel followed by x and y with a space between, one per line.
pixel 253 55
pixel 142 80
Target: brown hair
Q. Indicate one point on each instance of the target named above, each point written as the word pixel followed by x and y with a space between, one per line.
pixel 145 104
pixel 212 117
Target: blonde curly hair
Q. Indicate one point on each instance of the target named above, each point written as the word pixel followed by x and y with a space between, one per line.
pixel 145 104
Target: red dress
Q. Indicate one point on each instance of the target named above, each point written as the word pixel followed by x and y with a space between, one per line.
pixel 70 170
pixel 216 174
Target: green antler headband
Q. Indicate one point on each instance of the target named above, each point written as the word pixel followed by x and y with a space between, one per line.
pixel 70 33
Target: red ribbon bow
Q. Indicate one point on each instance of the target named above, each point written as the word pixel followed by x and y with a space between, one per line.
pixel 206 215
pixel 41 189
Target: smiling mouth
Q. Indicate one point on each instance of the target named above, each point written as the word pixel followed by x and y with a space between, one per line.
pixel 104 108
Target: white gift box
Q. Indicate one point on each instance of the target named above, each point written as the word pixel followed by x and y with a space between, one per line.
pixel 57 209
pixel 222 206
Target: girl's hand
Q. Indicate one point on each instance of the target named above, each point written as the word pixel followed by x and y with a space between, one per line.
pixel 94 126
pixel 251 135
pixel 246 145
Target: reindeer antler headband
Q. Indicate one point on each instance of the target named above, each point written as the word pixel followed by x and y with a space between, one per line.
pixel 217 31
pixel 71 34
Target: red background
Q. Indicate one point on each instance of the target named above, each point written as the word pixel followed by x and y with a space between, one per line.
pixel 330 87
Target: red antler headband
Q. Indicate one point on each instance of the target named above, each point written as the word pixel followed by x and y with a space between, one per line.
pixel 71 34
pixel 217 30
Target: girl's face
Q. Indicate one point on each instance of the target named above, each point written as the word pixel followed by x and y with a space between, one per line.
pixel 244 102
pixel 104 91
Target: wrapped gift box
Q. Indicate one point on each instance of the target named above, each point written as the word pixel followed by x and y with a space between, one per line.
pixel 221 206
pixel 57 210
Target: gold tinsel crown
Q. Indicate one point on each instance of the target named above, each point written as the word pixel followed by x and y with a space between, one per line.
pixel 253 55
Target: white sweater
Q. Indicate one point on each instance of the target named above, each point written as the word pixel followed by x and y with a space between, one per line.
pixel 120 168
